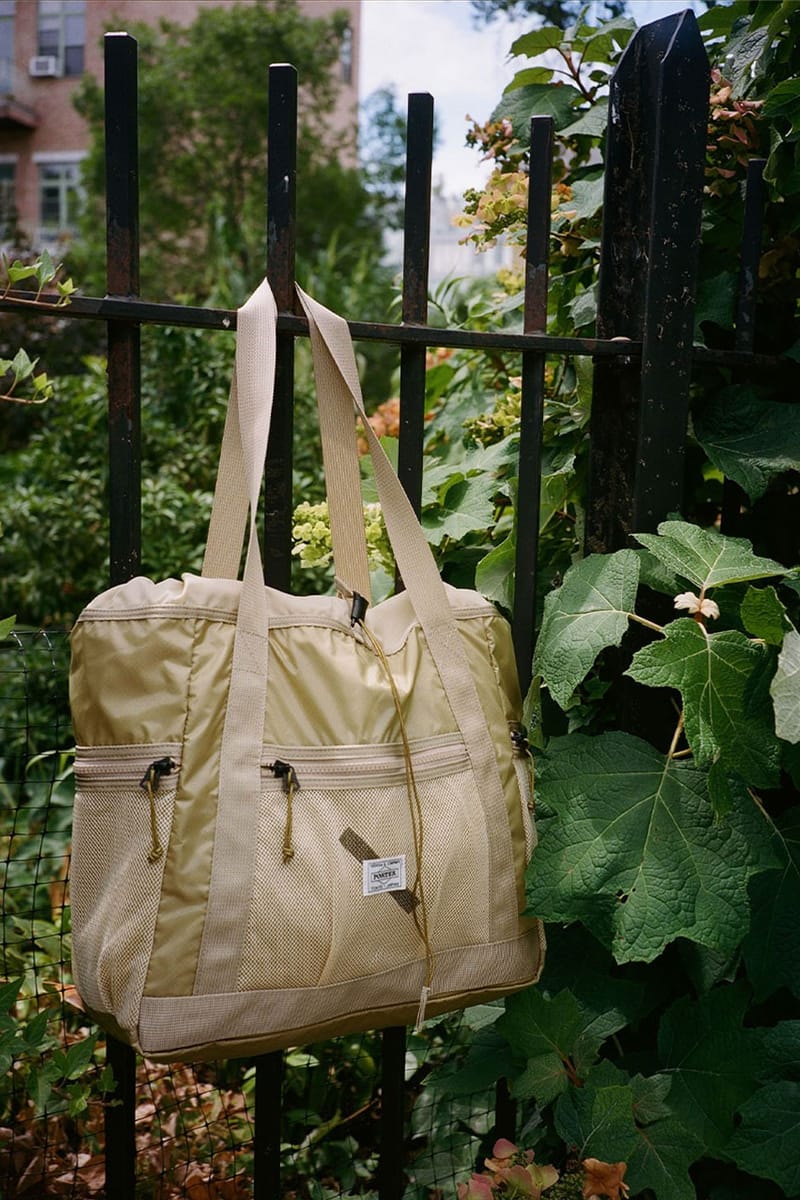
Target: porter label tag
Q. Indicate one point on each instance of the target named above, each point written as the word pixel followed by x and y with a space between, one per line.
pixel 384 875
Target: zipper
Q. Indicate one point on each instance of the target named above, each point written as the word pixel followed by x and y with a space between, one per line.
pixel 340 766
pixel 102 766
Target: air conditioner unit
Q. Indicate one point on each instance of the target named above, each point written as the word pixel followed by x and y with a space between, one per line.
pixel 42 65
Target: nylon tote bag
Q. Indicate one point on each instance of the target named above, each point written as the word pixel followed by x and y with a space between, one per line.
pixel 295 816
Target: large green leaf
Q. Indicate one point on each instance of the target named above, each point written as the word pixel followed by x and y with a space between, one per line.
pixel 713 1061
pixel 785 689
pixel 588 612
pixel 772 948
pixel 707 558
pixel 634 851
pixel 713 673
pixel 537 41
pixel 467 505
pixel 557 1035
pixel 766 1142
pixel 749 439
pixel 556 100
pixel 609 1119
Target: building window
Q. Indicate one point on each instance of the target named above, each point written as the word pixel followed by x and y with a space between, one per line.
pixel 59 199
pixel 7 8
pixel 8 206
pixel 346 55
pixel 62 33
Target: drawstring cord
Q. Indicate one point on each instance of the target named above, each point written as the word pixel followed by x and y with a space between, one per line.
pixel 415 810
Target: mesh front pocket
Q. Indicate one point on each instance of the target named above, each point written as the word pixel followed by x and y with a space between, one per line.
pixel 115 889
pixel 310 921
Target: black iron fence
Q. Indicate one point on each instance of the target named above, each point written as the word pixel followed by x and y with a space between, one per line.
pixel 643 359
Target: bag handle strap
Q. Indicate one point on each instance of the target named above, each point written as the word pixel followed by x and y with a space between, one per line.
pixel 338 388
pixel 250 403
pixel 343 483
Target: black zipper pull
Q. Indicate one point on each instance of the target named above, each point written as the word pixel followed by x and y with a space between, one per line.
pixel 288 777
pixel 150 781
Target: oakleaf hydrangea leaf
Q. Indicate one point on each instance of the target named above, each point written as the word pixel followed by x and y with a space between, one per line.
pixel 705 557
pixel 713 672
pixel 781 1048
pixel 467 505
pixel 633 850
pixel 549 1033
pixel 587 613
pixel 785 689
pixel 766 1142
pixel 772 948
pixel 764 615
pixel 601 1119
pixel 713 1061
pixel 749 439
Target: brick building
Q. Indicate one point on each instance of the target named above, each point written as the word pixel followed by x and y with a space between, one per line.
pixel 45 47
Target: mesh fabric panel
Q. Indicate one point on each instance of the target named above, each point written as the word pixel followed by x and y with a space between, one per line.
pixel 310 922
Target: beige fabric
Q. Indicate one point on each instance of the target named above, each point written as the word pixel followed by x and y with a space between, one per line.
pixel 236 675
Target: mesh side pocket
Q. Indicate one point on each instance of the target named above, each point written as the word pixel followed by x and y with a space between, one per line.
pixel 115 893
pixel 310 922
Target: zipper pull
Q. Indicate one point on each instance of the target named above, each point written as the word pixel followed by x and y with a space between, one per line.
pixel 288 776
pixel 150 781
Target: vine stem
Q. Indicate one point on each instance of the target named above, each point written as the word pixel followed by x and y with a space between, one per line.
pixel 632 616
pixel 675 738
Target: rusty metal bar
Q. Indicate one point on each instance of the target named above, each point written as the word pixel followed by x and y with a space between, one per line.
pixel 124 447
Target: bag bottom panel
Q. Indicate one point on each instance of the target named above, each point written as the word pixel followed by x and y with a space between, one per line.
pixel 230 1025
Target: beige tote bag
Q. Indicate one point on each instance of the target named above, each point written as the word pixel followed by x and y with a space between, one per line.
pixel 295 816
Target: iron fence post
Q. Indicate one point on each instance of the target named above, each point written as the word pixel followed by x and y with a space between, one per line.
pixel 124 441
pixel 655 153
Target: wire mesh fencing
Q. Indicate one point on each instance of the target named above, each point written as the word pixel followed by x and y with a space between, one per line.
pixel 194 1123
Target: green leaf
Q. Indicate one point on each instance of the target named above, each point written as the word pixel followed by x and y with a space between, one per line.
pixel 9 991
pixel 749 439
pixel 22 365
pixel 592 122
pixel 556 100
pixel 783 100
pixel 468 505
pixel 529 75
pixel 716 302
pixel 713 671
pixel 45 268
pixel 649 1098
pixel 781 1049
pixel 587 196
pixel 547 1033
pixel 785 689
pixel 765 1144
pixel 598 1122
pixel 587 613
pixel 634 851
pixel 772 948
pixel 494 574
pixel 661 1158
pixel 6 626
pixel 764 615
pixel 19 271
pixel 78 1057
pixel 488 1059
pixel 706 558
pixel 712 1059
pixel 536 42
